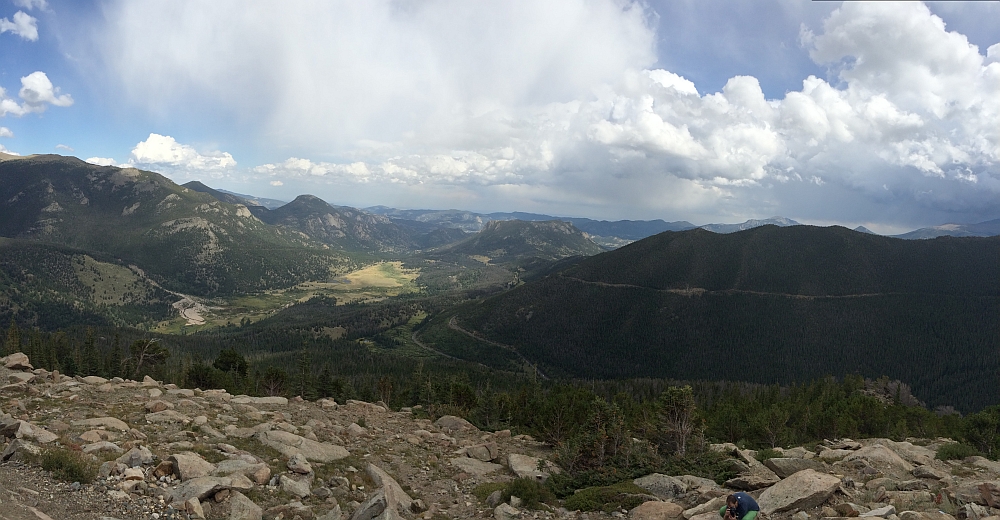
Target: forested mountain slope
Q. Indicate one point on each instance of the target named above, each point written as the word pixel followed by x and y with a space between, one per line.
pixel 185 240
pixel 766 305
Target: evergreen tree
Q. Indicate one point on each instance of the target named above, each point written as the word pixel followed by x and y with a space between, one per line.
pixel 13 343
pixel 113 368
pixel 90 361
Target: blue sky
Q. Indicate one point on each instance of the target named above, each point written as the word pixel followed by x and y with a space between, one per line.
pixel 864 113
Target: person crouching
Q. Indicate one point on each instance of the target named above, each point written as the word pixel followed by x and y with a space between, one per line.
pixel 739 506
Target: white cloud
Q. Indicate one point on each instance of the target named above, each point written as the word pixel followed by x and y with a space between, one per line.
pixel 164 154
pixel 41 5
pixel 6 132
pixel 36 92
pixel 23 25
pixel 64 147
pixel 554 103
pixel 102 161
pixel 6 151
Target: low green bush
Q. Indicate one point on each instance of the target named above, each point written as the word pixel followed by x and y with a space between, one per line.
pixel 767 453
pixel 624 495
pixel 955 451
pixel 70 466
pixel 530 491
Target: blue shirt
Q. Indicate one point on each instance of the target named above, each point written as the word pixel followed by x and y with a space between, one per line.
pixel 746 503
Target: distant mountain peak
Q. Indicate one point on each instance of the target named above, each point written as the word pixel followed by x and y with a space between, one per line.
pixel 750 224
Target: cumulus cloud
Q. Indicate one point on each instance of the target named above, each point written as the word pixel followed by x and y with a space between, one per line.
pixel 64 147
pixel 102 161
pixel 37 92
pixel 164 154
pixel 6 151
pixel 6 132
pixel 558 103
pixel 23 25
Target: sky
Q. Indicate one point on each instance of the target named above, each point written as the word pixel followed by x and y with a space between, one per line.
pixel 879 114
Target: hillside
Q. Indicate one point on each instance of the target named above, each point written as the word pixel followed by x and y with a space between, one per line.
pixel 766 305
pixel 184 240
pixel 138 449
pixel 347 229
pixel 54 286
pixel 502 241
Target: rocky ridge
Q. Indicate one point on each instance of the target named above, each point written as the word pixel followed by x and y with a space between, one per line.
pixel 175 453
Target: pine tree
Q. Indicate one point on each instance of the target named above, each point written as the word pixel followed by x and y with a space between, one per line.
pixel 114 361
pixel 90 362
pixel 13 343
pixel 303 369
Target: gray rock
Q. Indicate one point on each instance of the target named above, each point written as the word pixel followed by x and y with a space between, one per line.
pixel 17 361
pixel 333 514
pixel 167 416
pixel 189 465
pixel 376 507
pixel 712 506
pixel 21 450
pixel 663 486
pixel 484 452
pixel 525 466
pixel 299 464
pixel 453 423
pixel 475 466
pixel 758 477
pixel 882 512
pixel 929 472
pixel 297 487
pixel 137 456
pixel 495 498
pixel 107 422
pixel 97 447
pixel 787 466
pixel 289 444
pixel 200 488
pixel 834 455
pixel 803 490
pixel 397 499
pixel 505 512
pixel 882 459
pixel 242 508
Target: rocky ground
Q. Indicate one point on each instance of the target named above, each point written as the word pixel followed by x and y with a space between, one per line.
pixel 171 453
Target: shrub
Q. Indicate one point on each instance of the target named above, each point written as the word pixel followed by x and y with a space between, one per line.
pixel 70 466
pixel 767 453
pixel 529 490
pixel 624 495
pixel 955 451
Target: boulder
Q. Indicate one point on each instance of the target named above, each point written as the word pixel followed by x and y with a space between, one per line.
pixel 502 512
pixel 453 423
pixel 21 378
pixel 484 452
pixel 758 477
pixel 787 466
pixel 929 472
pixel 925 515
pixel 20 450
pixel 333 514
pixel 654 510
pixel 882 459
pixel 273 400
pixel 663 486
pixel 475 466
pixel 798 452
pixel 712 506
pixel 297 487
pixel 983 463
pixel 699 484
pixel 298 464
pixel 714 515
pixel 849 510
pixel 94 380
pixel 200 488
pixel 17 361
pixel 803 490
pixel 194 509
pixel 107 422
pixel 396 499
pixel 882 512
pixel 97 447
pixel 189 465
pixel 158 405
pixel 834 455
pixel 525 466
pixel 289 444
pixel 135 457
